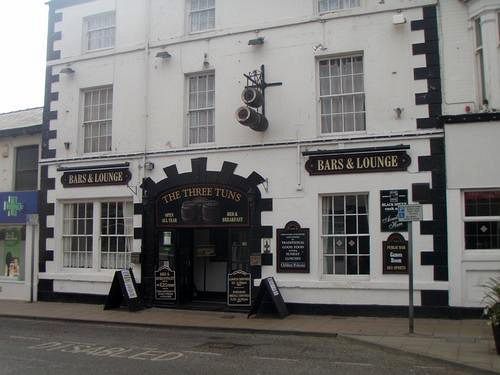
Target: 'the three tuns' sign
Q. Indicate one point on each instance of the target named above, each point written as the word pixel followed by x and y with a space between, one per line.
pixel 96 177
pixel 201 205
pixel 388 161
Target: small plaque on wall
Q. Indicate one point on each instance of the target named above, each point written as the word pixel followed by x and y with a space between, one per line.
pixel 292 244
pixel 395 254
pixel 390 200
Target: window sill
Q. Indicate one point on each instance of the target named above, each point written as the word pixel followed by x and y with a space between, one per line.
pixel 9 280
pixel 360 284
pixel 97 50
pixel 105 276
pixel 200 31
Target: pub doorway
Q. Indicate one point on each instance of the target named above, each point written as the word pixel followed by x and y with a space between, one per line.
pixel 202 258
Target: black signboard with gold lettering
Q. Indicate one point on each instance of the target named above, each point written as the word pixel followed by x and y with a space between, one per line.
pixel 96 177
pixel 388 161
pixel 239 288
pixel 203 205
pixel 390 200
pixel 395 255
pixel 292 248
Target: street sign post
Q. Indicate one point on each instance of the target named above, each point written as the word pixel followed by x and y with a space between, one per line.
pixel 410 213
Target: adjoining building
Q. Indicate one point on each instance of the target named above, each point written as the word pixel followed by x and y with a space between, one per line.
pixel 206 142
pixel 20 144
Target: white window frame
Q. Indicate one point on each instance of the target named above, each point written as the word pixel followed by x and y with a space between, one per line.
pixel 96 253
pixel 97 122
pixel 194 110
pixel 87 32
pixel 325 236
pixel 197 13
pixel 327 100
pixel 336 5
pixel 479 52
pixel 471 219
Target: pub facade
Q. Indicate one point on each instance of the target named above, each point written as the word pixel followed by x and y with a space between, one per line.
pixel 207 147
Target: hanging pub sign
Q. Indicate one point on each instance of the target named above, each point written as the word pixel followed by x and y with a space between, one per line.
pixel 209 205
pixel 96 177
pixel 395 254
pixel 239 288
pixel 165 284
pixel 386 161
pixel 390 200
pixel 292 244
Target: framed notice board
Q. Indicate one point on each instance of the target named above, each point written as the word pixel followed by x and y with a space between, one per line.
pixel 292 248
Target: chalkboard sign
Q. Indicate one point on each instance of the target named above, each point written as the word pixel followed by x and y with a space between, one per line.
pixel 390 200
pixel 269 291
pixel 293 248
pixel 123 291
pixel 395 255
pixel 165 284
pixel 239 288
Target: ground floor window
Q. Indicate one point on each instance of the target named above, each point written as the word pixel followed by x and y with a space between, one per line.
pixel 97 234
pixel 482 220
pixel 345 237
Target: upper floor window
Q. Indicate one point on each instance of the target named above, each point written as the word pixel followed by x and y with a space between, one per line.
pixel 202 15
pixel 99 31
pixel 331 5
pixel 26 177
pixel 480 57
pixel 97 112
pixel 201 108
pixel 342 96
pixel 482 220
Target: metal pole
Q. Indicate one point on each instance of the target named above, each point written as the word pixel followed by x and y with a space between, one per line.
pixel 410 276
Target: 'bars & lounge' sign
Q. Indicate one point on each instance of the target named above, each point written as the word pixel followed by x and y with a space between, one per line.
pixel 96 177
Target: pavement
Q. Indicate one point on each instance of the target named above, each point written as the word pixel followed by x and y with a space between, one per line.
pixel 464 342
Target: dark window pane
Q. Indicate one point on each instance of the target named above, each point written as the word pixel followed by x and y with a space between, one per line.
pixel 104 210
pixel 364 245
pixel 340 265
pixel 350 224
pixel 339 225
pixel 363 224
pixel 340 245
pixel 352 265
pixel 338 205
pixel 364 265
pixel 362 204
pixel 350 204
pixel 328 266
pixel 352 245
pixel 26 168
pixel 112 244
pixel 121 244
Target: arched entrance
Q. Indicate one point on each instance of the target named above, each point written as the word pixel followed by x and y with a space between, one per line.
pixel 199 227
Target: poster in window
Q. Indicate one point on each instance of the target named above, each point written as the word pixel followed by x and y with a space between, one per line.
pixel 12 244
pixel 390 200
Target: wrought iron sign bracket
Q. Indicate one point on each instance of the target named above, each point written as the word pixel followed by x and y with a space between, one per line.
pixel 257 79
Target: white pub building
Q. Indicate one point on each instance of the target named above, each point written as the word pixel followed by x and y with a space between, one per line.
pixel 200 142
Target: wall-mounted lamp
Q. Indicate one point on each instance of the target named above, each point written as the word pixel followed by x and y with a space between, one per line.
pixel 398 112
pixel 165 55
pixel 66 145
pixel 256 42
pixel 206 63
pixel 149 165
pixel 67 70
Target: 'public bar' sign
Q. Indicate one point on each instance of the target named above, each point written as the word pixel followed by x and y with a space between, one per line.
pixel 388 161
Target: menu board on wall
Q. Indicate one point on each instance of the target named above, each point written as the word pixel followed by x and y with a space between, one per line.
pixel 390 200
pixel 293 248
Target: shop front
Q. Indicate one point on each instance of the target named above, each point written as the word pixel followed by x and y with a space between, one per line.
pixel 18 234
pixel 202 237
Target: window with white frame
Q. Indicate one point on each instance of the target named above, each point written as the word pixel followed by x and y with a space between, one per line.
pixel 97 119
pixel 342 96
pixel 99 31
pixel 201 15
pixel 111 243
pixel 201 108
pixel 331 5
pixel 345 236
pixel 482 220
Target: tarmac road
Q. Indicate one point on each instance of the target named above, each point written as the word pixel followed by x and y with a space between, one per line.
pixel 53 348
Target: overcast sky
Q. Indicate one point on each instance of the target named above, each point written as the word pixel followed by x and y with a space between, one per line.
pixel 23 40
